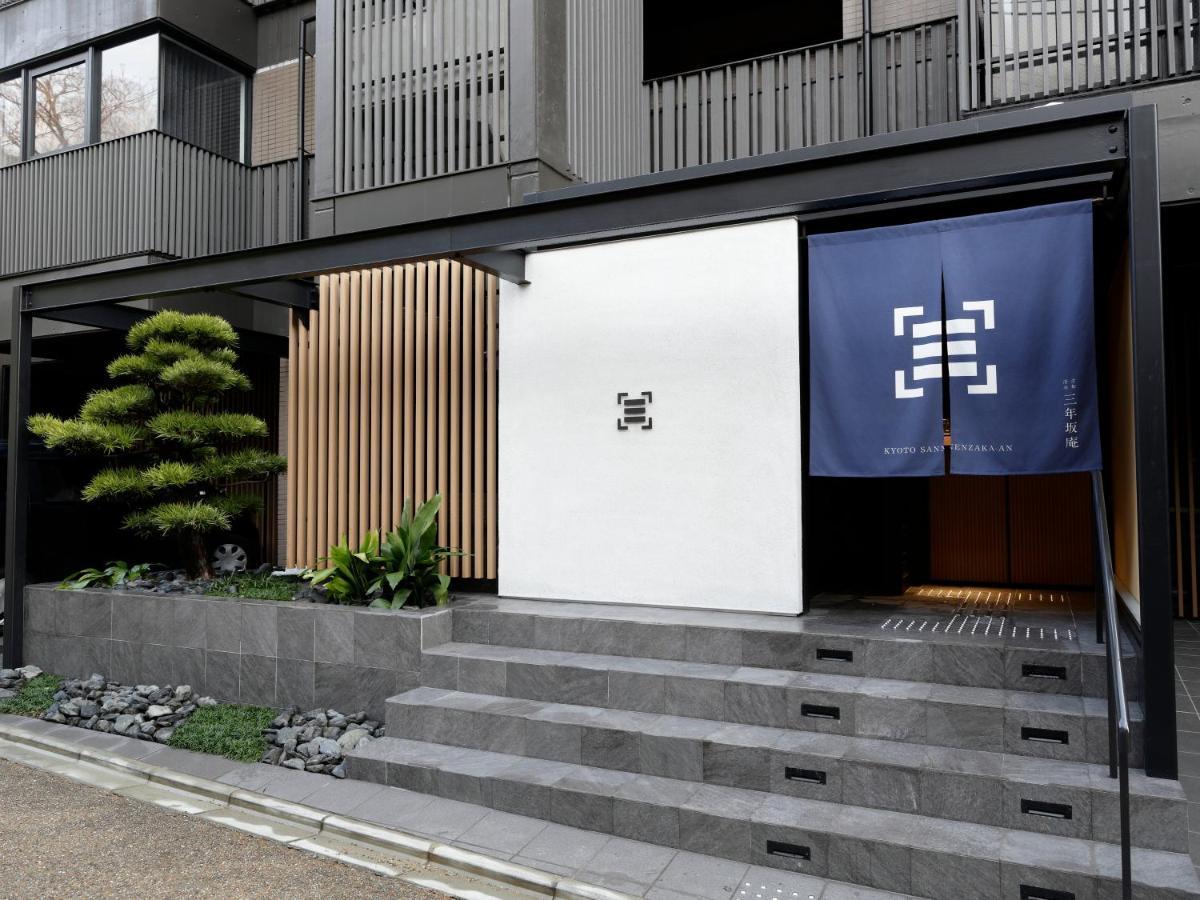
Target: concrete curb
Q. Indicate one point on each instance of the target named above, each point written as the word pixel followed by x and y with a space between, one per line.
pixel 388 839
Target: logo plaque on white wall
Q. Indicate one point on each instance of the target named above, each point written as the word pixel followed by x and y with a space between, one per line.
pixel 635 411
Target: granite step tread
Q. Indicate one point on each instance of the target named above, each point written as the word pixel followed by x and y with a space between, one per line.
pixel 909 711
pixel 879 848
pixel 968 785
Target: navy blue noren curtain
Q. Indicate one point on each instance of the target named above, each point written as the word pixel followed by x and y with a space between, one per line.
pixel 1015 340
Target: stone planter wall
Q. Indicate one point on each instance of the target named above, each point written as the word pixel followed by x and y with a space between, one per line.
pixel 260 652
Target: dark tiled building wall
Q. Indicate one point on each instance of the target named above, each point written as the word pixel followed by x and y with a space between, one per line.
pixel 275 109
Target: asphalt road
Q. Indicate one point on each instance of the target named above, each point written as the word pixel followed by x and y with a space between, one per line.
pixel 59 838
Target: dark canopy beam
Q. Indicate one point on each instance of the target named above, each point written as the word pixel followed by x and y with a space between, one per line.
pixel 292 294
pixel 111 317
pixel 508 265
pixel 996 151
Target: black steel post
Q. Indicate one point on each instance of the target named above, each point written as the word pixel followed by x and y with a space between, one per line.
pixel 868 87
pixel 1150 435
pixel 17 508
pixel 301 98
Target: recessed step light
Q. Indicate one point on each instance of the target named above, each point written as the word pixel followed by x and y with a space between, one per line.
pixel 1053 673
pixel 1045 736
pixel 808 776
pixel 1046 810
pixel 828 653
pixel 813 711
pixel 791 851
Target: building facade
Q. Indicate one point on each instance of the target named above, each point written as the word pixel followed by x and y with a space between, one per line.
pixel 554 261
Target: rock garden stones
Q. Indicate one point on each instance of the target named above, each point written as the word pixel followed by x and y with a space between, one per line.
pixel 147 712
pixel 12 680
pixel 317 740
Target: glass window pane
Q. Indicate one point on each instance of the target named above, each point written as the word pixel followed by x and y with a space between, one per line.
pixel 60 109
pixel 129 88
pixel 201 101
pixel 10 121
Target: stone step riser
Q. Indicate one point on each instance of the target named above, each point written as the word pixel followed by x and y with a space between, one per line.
pixel 934 715
pixel 1071 809
pixel 954 659
pixel 746 835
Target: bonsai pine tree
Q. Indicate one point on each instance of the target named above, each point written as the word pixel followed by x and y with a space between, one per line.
pixel 181 463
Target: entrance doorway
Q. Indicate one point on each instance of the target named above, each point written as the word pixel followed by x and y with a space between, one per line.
pixel 1016 530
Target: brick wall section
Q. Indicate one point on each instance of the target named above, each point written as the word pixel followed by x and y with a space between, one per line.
pixel 890 14
pixel 273 137
pixel 258 652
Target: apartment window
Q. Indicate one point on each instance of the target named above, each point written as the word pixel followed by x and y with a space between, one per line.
pixel 129 88
pixel 108 92
pixel 202 101
pixel 10 121
pixel 703 34
pixel 60 108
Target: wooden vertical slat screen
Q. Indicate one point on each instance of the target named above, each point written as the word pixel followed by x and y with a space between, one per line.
pixel 394 395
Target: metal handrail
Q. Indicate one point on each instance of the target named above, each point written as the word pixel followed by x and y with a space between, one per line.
pixel 1118 708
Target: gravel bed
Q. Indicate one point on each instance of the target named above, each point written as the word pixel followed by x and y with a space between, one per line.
pixel 317 740
pixel 144 711
pixel 12 680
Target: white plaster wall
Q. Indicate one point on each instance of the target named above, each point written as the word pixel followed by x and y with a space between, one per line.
pixel 704 509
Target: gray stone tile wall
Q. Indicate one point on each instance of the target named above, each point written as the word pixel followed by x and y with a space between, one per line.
pixel 243 651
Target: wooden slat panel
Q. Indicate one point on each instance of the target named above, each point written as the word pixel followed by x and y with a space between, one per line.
pixel 394 390
pixel 375 388
pixel 352 470
pixel 343 491
pixel 1050 530
pixel 443 392
pixel 385 401
pixel 457 290
pixel 322 417
pixel 968 539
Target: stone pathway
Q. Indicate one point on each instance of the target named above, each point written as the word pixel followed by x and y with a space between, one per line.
pixel 62 839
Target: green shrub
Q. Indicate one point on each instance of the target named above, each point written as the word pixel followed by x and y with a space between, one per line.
pixel 400 571
pixel 235 732
pixel 114 574
pixel 181 367
pixel 34 697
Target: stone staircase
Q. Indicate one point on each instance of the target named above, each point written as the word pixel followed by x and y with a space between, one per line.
pixel 945 764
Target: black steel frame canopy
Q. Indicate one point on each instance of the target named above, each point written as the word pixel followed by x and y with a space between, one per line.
pixel 1105 139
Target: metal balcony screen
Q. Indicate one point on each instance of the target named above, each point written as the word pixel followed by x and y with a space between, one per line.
pixel 202 101
pixel 421 89
pixel 1020 50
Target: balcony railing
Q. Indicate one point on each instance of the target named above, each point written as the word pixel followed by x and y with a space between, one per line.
pixel 147 193
pixel 1015 51
pixel 810 96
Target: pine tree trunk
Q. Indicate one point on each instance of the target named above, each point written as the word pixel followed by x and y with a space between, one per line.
pixel 195 557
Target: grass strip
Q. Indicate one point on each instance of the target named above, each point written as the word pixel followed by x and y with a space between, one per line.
pixel 34 697
pixel 235 732
pixel 255 587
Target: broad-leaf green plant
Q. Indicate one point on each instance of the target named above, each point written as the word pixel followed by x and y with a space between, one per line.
pixel 353 576
pixel 411 558
pixel 115 574
pixel 401 570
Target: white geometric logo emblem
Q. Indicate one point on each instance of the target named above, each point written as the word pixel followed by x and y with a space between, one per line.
pixel 927 345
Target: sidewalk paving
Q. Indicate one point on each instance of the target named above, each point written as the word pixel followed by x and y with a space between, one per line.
pixel 61 839
pixel 629 867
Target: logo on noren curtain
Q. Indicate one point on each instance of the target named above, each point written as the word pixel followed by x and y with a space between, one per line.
pixel 927 345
